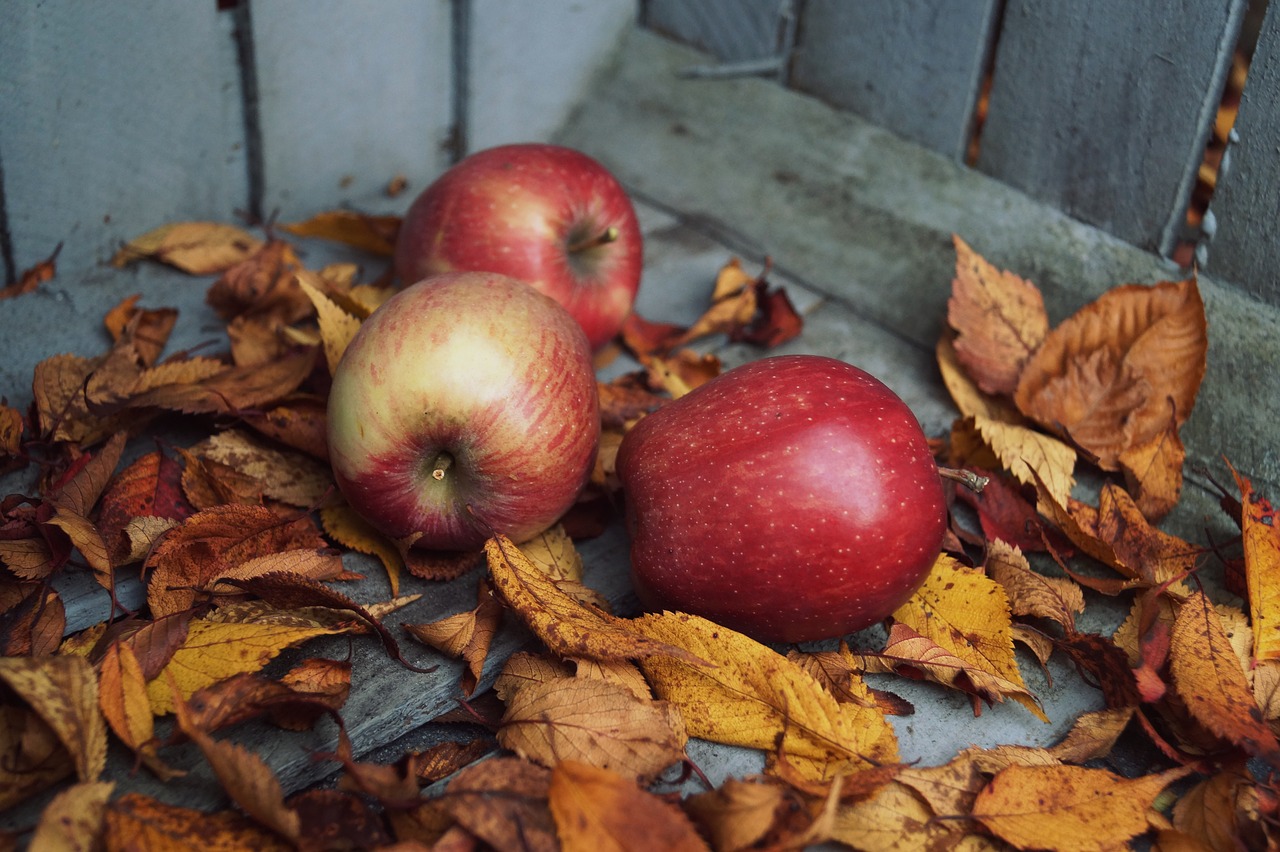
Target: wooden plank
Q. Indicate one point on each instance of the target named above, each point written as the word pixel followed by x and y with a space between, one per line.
pixel 531 62
pixel 1102 109
pixel 350 96
pixel 1246 203
pixel 115 118
pixel 912 66
pixel 731 30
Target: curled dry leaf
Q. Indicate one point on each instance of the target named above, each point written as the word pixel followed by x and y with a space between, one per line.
pixel 737 814
pixel 374 234
pixel 1093 735
pixel 1105 377
pixel 337 327
pixel 35 760
pixel 147 328
pixel 63 691
pixel 750 693
pixel 262 285
pixel 970 399
pixel 1069 807
pixel 503 801
pixel 30 279
pixel 465 636
pixel 594 722
pixel 197 248
pixel 1153 472
pixel 1261 533
pixel 596 810
pixel 967 615
pixel 1058 599
pixel 999 320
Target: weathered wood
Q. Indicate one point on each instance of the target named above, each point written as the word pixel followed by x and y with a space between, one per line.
pixel 530 63
pixel 913 67
pixel 731 30
pixel 1103 109
pixel 351 95
pixel 1246 203
pixel 114 119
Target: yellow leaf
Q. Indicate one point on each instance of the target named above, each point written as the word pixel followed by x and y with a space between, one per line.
pixel 135 821
pixel 565 625
pixel 1069 807
pixel 736 814
pixel 64 692
pixel 215 651
pixel 967 614
pixel 594 722
pixel 965 393
pixel 198 248
pixel 552 550
pixel 73 820
pixel 1260 528
pixel 122 695
pixel 1031 593
pixel 344 526
pixel 1093 735
pixel 375 234
pixel 1028 454
pixel 895 819
pixel 751 694
pixel 596 810
pixel 337 327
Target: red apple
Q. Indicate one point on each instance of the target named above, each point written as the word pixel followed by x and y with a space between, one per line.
pixel 792 498
pixel 465 405
pixel 548 215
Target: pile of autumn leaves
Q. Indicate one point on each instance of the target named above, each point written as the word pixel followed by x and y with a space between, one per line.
pixel 235 560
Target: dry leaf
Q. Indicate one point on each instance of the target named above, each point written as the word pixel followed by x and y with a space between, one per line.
pixel 1059 599
pixel 1069 807
pixel 197 248
pixel 503 801
pixel 1207 674
pixel 337 327
pixel 750 693
pixel 970 399
pixel 134 821
pixel 283 475
pixel 64 692
pixel 552 550
pixel 375 234
pixel 122 696
pixel 1030 456
pixel 1221 812
pixel 1153 472
pixel 967 614
pixel 999 320
pixel 30 279
pixel 74 819
pixel 263 285
pixel 895 818
pixel 35 757
pixel 465 636
pixel 147 329
pixel 737 814
pixel 1105 376
pixel 1093 735
pixel 596 810
pixel 563 624
pixel 1262 568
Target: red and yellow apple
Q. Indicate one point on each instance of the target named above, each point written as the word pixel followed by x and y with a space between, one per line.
pixel 548 215
pixel 791 498
pixel 465 405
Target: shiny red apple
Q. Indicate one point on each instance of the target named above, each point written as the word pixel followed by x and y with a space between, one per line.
pixel 546 214
pixel 465 405
pixel 791 498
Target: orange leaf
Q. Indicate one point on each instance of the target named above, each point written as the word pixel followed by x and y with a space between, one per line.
pixel 139 822
pixel 374 234
pixel 466 635
pixel 737 814
pixel 198 248
pixel 1105 376
pixel 1261 567
pixel 503 801
pixel 147 329
pixel 970 399
pixel 1209 679
pixel 999 318
pixel 596 810
pixel 283 475
pixel 1153 472
pixel 32 278
pixel 122 695
pixel 1069 807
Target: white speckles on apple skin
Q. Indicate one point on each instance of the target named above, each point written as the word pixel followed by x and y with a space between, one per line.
pixel 757 501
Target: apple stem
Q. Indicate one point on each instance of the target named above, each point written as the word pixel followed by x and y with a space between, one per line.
pixel 444 461
pixel 974 482
pixel 607 236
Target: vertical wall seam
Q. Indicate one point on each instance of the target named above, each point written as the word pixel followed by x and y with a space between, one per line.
pixel 6 238
pixel 460 45
pixel 1209 105
pixel 246 59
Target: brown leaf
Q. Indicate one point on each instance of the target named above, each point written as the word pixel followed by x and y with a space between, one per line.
pixel 227 391
pixel 1106 376
pixel 34 627
pixel 32 278
pixel 999 318
pixel 596 810
pixel 1222 812
pixel 970 399
pixel 149 487
pixel 444 759
pixel 64 692
pixel 35 758
pixel 1030 593
pixel 1209 679
pixel 595 722
pixel 503 801
pixel 122 696
pixel 750 693
pixel 335 819
pixel 1093 735
pixel 563 624
pixel 74 819
pixel 737 814
pixel 1108 666
pixel 283 475
pixel 895 818
pixel 1153 472
pixel 465 636
pixel 134 821
pixel 197 248
pixel 147 329
pixel 374 234
pixel 1069 807
pixel 263 284
pixel 299 421
pixel 623 401
pixel 1259 528
pixel 337 326
pixel 302 696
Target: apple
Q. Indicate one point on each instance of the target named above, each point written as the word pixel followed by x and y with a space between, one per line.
pixel 791 498
pixel 465 405
pixel 545 214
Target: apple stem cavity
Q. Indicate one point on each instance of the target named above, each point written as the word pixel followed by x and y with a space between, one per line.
pixel 443 462
pixel 974 482
pixel 605 237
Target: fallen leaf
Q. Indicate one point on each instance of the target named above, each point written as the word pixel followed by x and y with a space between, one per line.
pixel 134 821
pixel 563 624
pixel 1031 593
pixel 596 810
pixel 1221 812
pixel 999 318
pixel 34 626
pixel 503 801
pixel 336 819
pixel 149 487
pixel 64 692
pixel 553 551
pixel 1069 807
pixel 970 399
pixel 337 327
pixel 308 691
pixel 147 328
pixel 35 757
pixel 284 475
pixel 1105 376
pixel 30 279
pixel 595 722
pixel 374 234
pixel 1153 472
pixel 737 814
pixel 465 636
pixel 895 818
pixel 1030 456
pixel 623 401
pixel 1207 674
pixel 263 284
pixel 750 693
pixel 967 614
pixel 343 525
pixel 1262 568
pixel 1093 735
pixel 74 819
pixel 122 696
pixel 197 248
